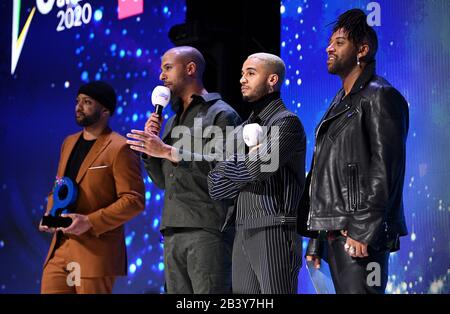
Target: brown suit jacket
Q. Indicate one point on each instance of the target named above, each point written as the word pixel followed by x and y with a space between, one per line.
pixel 110 192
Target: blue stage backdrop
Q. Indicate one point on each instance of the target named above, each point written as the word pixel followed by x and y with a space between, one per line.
pixel 55 53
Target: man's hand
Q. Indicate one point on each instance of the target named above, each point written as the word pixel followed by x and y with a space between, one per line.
pixel 153 124
pixel 150 144
pixel 315 259
pixel 254 149
pixel 354 248
pixel 80 224
pixel 47 229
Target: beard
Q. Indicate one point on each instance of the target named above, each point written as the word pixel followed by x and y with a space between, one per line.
pixel 341 66
pixel 88 120
pixel 256 93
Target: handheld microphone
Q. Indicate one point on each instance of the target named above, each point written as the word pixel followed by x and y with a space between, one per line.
pixel 253 134
pixel 160 98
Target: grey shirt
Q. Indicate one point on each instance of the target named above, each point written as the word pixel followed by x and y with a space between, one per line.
pixel 186 199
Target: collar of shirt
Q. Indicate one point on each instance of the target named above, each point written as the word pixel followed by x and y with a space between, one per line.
pixel 177 104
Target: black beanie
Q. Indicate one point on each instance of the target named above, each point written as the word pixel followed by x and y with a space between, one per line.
pixel 101 92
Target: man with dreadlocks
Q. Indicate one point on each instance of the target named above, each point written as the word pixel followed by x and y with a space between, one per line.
pixel 353 202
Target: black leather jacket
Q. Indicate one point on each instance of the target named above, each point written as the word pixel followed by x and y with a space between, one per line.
pixel 358 168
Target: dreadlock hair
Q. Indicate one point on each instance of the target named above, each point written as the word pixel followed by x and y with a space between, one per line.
pixel 354 23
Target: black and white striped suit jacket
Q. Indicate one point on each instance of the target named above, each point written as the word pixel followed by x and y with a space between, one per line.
pixel 265 198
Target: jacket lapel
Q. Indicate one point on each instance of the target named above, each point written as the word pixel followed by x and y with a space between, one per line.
pixel 333 116
pixel 100 144
pixel 341 111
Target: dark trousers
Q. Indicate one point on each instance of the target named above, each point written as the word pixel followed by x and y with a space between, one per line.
pixel 197 261
pixel 266 260
pixel 368 275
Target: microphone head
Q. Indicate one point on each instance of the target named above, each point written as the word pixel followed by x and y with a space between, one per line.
pixel 160 96
pixel 253 134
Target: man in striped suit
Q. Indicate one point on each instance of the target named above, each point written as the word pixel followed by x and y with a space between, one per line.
pixel 267 250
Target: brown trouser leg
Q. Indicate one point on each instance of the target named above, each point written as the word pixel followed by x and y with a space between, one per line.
pixel 54 277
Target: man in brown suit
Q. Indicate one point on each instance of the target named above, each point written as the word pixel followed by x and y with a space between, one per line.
pixel 88 255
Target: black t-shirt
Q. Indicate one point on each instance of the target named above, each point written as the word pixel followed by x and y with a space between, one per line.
pixel 78 154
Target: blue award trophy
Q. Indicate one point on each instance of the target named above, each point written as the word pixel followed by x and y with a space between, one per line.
pixel 65 193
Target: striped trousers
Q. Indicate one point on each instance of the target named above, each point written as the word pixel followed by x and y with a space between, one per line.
pixel 266 260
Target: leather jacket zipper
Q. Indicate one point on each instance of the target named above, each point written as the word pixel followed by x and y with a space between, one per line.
pixel 353 186
pixel 312 174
